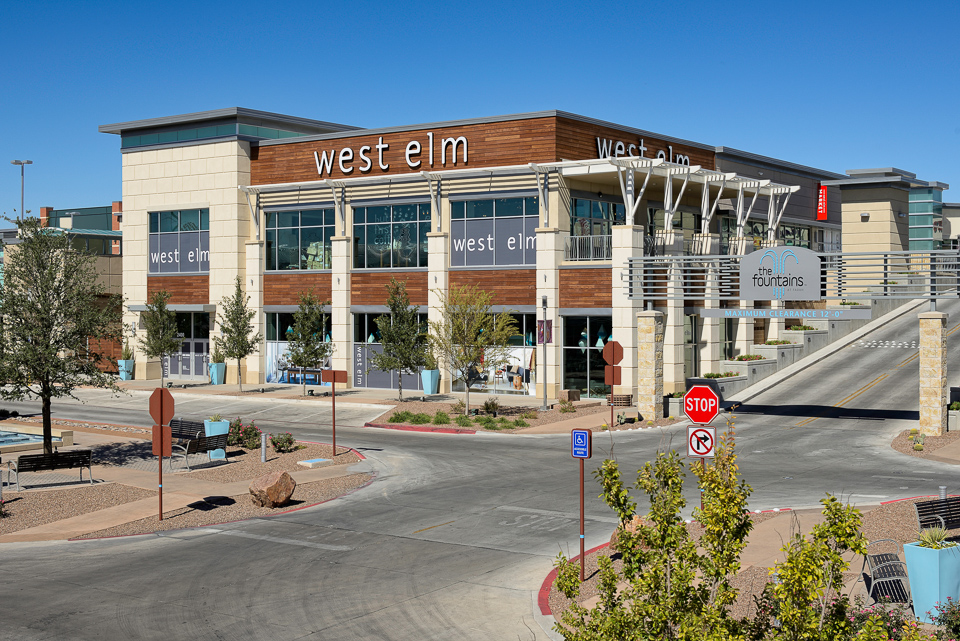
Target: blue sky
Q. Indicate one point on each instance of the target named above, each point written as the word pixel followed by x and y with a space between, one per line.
pixel 836 85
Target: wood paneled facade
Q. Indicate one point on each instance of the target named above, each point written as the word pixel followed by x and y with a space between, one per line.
pixel 184 290
pixel 284 289
pixel 586 288
pixel 370 288
pixel 509 286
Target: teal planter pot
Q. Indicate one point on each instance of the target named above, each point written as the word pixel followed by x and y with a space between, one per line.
pixel 126 370
pixel 431 380
pixel 934 576
pixel 218 372
pixel 215 428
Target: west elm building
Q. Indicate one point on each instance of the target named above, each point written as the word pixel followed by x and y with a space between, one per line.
pixel 546 206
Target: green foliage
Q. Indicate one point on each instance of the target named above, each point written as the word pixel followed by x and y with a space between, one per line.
pixel 463 421
pixel 215 418
pixel 800 328
pixel 126 354
pixel 421 418
pixel 160 339
pixel 955 406
pixel 934 538
pixel 568 577
pixel 809 585
pixel 947 615
pixel 307 345
pixel 566 407
pixel 245 435
pixel 216 354
pixel 400 417
pixel 469 336
pixel 55 315
pixel 491 405
pixel 874 620
pixel 778 342
pixel 283 443
pixel 749 357
pixel 441 418
pixel 235 319
pixel 529 415
pixel 520 423
pixel 403 338
pixel 720 374
pixel 459 407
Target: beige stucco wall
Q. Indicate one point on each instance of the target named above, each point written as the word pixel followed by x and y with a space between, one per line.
pixel 883 229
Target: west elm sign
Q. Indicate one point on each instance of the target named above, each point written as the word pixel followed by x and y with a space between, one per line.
pixel 494 241
pixel 780 273
pixel 182 252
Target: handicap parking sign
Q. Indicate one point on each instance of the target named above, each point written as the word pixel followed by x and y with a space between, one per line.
pixel 581 443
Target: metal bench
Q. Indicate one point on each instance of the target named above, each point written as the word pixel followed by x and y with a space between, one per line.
pixel 943 513
pixel 51 462
pixel 885 575
pixel 189 438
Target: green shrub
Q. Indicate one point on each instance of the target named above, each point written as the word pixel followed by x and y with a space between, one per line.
pixel 400 417
pixel 749 357
pixel 934 538
pixel 441 418
pixel 420 418
pixel 520 423
pixel 567 407
pixel 530 414
pixel 463 421
pixel 947 615
pixel 955 405
pixel 491 405
pixel 778 342
pixel 243 435
pixel 284 442
pixel 720 374
pixel 800 328
pixel 891 618
pixel 459 407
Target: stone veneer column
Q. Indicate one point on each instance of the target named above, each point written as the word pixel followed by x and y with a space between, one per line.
pixel 627 242
pixel 340 318
pixel 438 281
pixel 933 373
pixel 650 332
pixel 549 257
pixel 256 363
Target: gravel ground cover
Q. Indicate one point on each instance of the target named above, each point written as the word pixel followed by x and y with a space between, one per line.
pixel 931 444
pixel 84 426
pixel 506 415
pixel 24 510
pixel 214 510
pixel 245 464
pixel 751 581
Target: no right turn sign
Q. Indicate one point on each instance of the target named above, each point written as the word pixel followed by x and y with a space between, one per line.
pixel 701 441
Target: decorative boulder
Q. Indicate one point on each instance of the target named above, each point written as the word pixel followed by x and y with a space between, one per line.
pixel 571 395
pixel 272 490
pixel 628 526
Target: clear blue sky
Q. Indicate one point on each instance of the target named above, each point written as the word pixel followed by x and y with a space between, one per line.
pixel 835 85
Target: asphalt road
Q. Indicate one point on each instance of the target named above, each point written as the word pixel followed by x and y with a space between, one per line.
pixel 458 531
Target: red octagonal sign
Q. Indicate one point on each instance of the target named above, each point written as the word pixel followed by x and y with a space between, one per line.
pixel 701 404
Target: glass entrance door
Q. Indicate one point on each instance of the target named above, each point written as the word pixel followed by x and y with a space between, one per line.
pixel 190 363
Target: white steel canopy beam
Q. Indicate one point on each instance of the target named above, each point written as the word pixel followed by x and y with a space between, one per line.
pixel 742 215
pixel 543 189
pixel 335 185
pixel 706 209
pixel 775 209
pixel 626 173
pixel 669 203
pixel 434 185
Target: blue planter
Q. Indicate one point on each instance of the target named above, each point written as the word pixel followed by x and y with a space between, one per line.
pixel 215 428
pixel 217 373
pixel 431 380
pixel 934 576
pixel 126 370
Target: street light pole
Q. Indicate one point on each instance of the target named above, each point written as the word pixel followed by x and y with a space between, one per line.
pixel 21 163
pixel 544 383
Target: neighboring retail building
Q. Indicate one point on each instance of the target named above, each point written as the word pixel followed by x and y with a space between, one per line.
pixel 536 207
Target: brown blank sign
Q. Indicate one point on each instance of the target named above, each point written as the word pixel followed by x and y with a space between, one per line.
pixel 333 376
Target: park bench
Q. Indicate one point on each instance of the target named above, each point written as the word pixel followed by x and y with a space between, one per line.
pixel 188 438
pixel 943 513
pixel 51 462
pixel 885 575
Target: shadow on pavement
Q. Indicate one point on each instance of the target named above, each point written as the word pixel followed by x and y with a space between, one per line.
pixel 828 411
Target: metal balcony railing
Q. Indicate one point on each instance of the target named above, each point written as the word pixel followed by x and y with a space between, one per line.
pixel 588 248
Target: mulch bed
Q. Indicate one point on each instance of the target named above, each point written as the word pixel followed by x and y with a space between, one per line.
pixel 931 444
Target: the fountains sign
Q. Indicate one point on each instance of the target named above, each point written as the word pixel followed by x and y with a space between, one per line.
pixel 780 273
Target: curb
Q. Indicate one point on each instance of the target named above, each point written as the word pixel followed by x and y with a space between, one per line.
pixel 912 498
pixel 362 457
pixel 420 428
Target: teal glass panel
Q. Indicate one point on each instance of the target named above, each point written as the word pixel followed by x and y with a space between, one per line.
pixel 266 132
pixel 204 219
pixel 328 217
pixel 167 136
pixel 424 230
pixel 921 232
pixel 270 219
pixel 509 207
pixel 288 249
pixel 201 325
pixel 288 219
pixel 359 247
pixel 378 214
pixel 359 215
pixel 311 218
pixel 206 132
pixel 271 249
pixel 479 208
pixel 405 245
pixel 916 221
pixel 247 130
pixel 187 134
pixel 169 221
pixel 129 141
pixel 921 208
pixel 424 211
pixel 314 249
pixel 271 327
pixel 531 206
pixel 149 139
pixel 190 220
pixel 457 210
pixel 226 130
pixel 619 214
pixel 290 134
pixel 154 222
pixel 378 246
pixel 581 208
pixel 403 213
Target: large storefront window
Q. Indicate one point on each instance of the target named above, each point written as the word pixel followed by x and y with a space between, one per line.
pixel 498 231
pixel 366 343
pixel 793 235
pixel 519 375
pixel 179 241
pixel 299 239
pixel 391 236
pixel 279 369
pixel 583 341
pixel 594 217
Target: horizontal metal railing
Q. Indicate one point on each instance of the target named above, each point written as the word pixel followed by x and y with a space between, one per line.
pixel 588 248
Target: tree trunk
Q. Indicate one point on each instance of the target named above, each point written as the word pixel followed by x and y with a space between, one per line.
pixel 239 376
pixel 466 410
pixel 47 426
pixel 400 384
pixel 303 383
pixel 161 371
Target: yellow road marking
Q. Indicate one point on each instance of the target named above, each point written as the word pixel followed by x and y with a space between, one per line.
pixel 433 526
pixel 846 400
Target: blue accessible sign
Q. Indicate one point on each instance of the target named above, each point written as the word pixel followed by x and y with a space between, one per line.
pixel 581 443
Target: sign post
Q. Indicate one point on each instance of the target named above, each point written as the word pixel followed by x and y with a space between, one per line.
pixel 701 405
pixel 581 447
pixel 333 376
pixel 612 355
pixel 161 410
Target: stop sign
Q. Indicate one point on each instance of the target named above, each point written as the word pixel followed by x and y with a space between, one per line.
pixel 701 404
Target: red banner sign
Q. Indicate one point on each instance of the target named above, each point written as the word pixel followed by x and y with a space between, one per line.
pixel 822 203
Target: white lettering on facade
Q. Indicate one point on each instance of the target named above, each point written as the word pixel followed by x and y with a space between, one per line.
pixel 452 143
pixel 381 146
pixel 413 149
pixel 346 155
pixel 607 148
pixel 367 163
pixel 458 149
pixel 326 162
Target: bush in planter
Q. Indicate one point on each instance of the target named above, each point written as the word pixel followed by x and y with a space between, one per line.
pixel 284 443
pixel 126 353
pixel 954 406
pixel 800 328
pixel 749 357
pixel 778 342
pixel 933 565
pixel 720 374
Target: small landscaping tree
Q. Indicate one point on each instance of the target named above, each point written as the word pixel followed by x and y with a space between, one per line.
pixel 403 338
pixel 308 347
pixel 237 340
pixel 160 339
pixel 54 309
pixel 469 336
